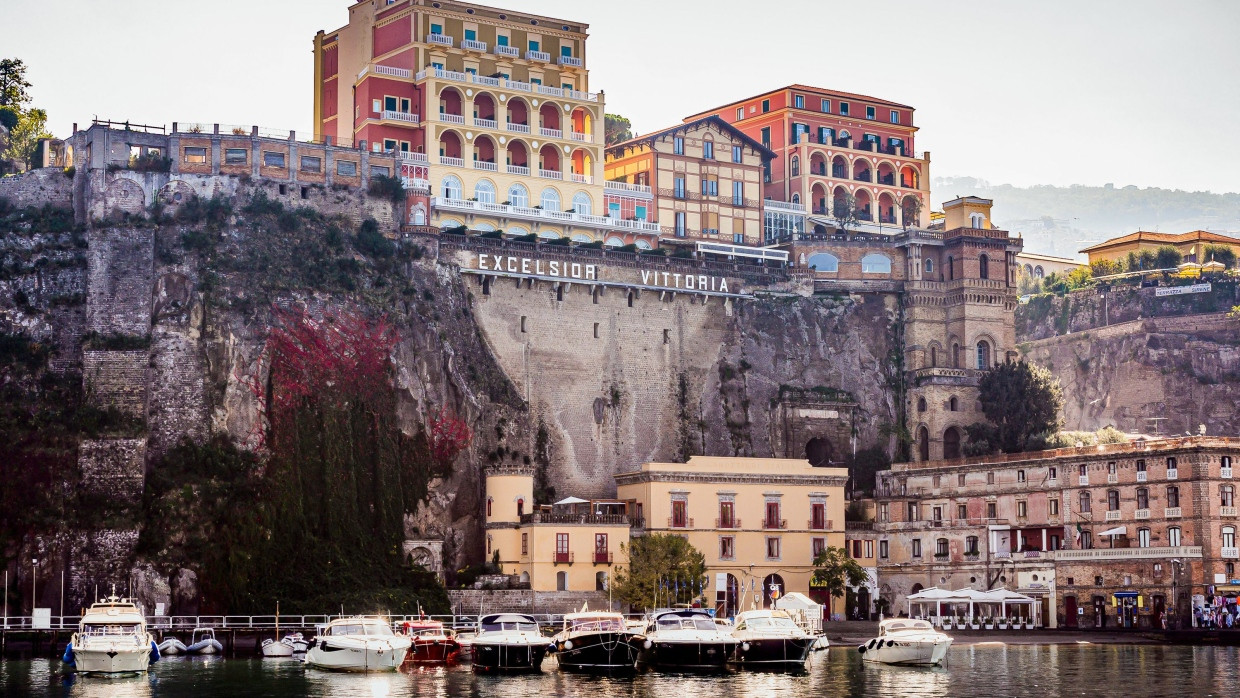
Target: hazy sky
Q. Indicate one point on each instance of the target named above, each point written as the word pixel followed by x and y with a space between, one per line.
pixel 1039 92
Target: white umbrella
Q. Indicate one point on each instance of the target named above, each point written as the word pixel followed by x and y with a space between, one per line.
pixel 571 500
pixel 1117 531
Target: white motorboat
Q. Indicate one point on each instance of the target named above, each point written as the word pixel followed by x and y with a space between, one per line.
pixel 171 647
pixel 906 641
pixel 287 646
pixel 687 640
pixel 509 642
pixel 770 639
pixel 465 638
pixel 112 639
pixel 202 641
pixel 358 644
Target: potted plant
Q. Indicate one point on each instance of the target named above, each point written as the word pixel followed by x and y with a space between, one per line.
pixel 974 623
pixel 1003 623
pixel 988 622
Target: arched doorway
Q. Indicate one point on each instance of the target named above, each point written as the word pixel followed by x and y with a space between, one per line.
pixel 561 581
pixel 600 581
pixel 923 444
pixel 819 452
pixel 951 443
pixel 863 603
pixel 772 588
pixel 728 599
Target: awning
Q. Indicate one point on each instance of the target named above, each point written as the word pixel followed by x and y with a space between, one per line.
pixel 1117 531
pixel 1125 594
pixel 571 500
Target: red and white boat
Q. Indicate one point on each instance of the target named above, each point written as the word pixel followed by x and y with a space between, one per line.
pixel 432 643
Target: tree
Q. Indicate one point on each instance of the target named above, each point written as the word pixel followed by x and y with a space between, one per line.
pixel 13 83
pixel 835 571
pixel 9 116
pixel 1105 267
pixel 1167 257
pixel 664 569
pixel 845 212
pixel 1020 399
pixel 1222 254
pixel 910 212
pixel 616 129
pixel 24 138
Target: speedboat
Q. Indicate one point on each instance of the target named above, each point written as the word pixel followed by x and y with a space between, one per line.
pixel 770 639
pixel 597 641
pixel 171 647
pixel 287 646
pixel 202 641
pixel 432 643
pixel 465 640
pixel 358 644
pixel 509 642
pixel 112 639
pixel 687 640
pixel 906 641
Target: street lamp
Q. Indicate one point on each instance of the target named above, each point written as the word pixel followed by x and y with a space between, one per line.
pixel 34 581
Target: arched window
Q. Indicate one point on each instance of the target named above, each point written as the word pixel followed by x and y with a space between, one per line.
pixel 1227 493
pixel 418 214
pixel 955 355
pixel 934 357
pixel 923 443
pixel 484 191
pixel 452 188
pixel 643 245
pixel 614 242
pixel 875 263
pixel 561 581
pixel 1038 272
pixel 921 404
pixel 582 203
pixel 1229 537
pixel 951 443
pixel 977 220
pixel 1143 537
pixel 1085 502
pixel 983 355
pixel 796 198
pixel 600 581
pixel 929 266
pixel 951 268
pixel 953 404
pixel 582 238
pixel 983 266
pixel 518 195
pixel 1173 536
pixel 823 261
pixel 550 200
pixel 488 506
pixel 796 166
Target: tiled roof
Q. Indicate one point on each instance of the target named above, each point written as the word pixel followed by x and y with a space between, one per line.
pixel 1165 238
pixel 806 88
pixel 718 122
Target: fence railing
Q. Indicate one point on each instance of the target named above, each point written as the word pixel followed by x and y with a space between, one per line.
pixel 290 622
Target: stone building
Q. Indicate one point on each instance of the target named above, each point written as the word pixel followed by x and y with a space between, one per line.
pixel 1115 536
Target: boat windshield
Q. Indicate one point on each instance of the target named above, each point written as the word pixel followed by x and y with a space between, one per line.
pixel 604 624
pixel 675 623
pixel 100 630
pixel 374 628
pixel 510 625
pixel 900 625
pixel 427 632
pixel 772 622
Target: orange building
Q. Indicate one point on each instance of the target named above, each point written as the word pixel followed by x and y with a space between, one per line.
pixel 1191 245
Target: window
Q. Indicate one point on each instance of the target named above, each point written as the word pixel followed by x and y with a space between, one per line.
pixel 912 511
pixel 936 514
pixel 960 480
pixel 772 515
pixel 738 153
pixel 798 101
pixel 1052 506
pixel 1052 473
pixel 1228 495
pixel 437 29
pixel 875 263
pixel 236 156
pixel 766 105
pixel 1173 497
pixel 916 547
pixel 727 514
pixel 983 266
pixel 740 113
pixel 826 106
pixel 921 401
pixel 596 330
pixel 818 546
pixel 389 145
pixel 991 512
pixel 678 145
pixel 680 224
pixel 766 136
pixel 738 193
pixel 1020 476
pixel 818 516
pixel 518 195
pixel 600 544
pixel 824 261
pixel 535 46
pixel 1112 500
pixel 952 406
pixel 346 168
pixel 310 163
pixel 1085 501
pixel 523 323
pixel 1229 537
pixel 581 203
pixel 1173 536
pixel 1082 470
pixel 710 187
pixel 882 550
pixel 452 188
pixel 561 547
pixel 929 266
pixel 1143 537
pixel 380 171
pixel 940 547
pixel 962 511
pixel 970 545
pixel 869 549
pixel 882 512
pixel 196 155
pixel 708 150
pixel 680 513
pixel 678 187
pixel 501 40
pixel 1143 498
pixel 271 159
pixel 1171 465
pixel 1087 540
pixel 869 112
pixel 772 548
pixel 895 116
pixel 796 166
pixel 550 200
pixel 1022 510
pixel 983 355
pixel 843 108
pixel 525 543
pixel 727 547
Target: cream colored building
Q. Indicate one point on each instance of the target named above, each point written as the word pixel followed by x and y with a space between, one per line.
pixel 757 521
pixel 1038 266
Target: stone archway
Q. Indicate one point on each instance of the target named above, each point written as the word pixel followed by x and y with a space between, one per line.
pixel 820 452
pixel 951 443
pixel 773 584
pixel 125 196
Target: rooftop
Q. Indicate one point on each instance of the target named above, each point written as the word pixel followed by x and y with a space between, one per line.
pixel 1165 238
pixel 803 88
pixel 1137 447
pixel 766 152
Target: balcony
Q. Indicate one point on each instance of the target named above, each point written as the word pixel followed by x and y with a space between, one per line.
pixel 1142 476
pixel 1172 474
pixel 452 118
pixel 519 128
pixel 839 173
pixel 538 56
pixel 1112 478
pixel 513 85
pixel 451 161
pixel 570 61
pixel 1227 512
pixel 863 177
pixel 484 123
pixel 582 178
pixel 1142 514
pixel 1082 480
pixel 673 522
pixel 773 205
pixel 1225 473
pixel 564 558
pixel 1172 513
pixel 775 524
pixel 543 517
pixel 626 189
pixel 602 557
pixel 386 71
pixel 820 525
pixel 550 174
pixel 508 51
pixel 519 170
pixel 420 158
pixel 1229 553
pixel 389 115
pixel 1129 553
pixel 439 39
pixel 1113 515
pixel 728 523
pixel 485 165
pixel 472 45
pixel 538 214
pixel 579 137
pixel 550 133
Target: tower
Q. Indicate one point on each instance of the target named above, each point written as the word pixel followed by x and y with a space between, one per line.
pixel 509 497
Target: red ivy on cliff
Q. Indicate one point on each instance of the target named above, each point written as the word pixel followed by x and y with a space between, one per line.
pixel 449 435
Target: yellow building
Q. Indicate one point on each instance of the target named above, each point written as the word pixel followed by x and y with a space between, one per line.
pixel 1038 266
pixel 573 546
pixel 1191 245
pixel 758 521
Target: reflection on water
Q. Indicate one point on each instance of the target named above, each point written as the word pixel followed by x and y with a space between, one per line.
pixel 986 670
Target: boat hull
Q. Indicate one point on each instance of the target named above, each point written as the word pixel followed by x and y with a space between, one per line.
pixel 906 652
pixel 340 657
pixel 274 648
pixel 433 652
pixel 774 653
pixel 508 657
pixel 688 655
pixel 171 647
pixel 601 651
pixel 112 660
pixel 205 647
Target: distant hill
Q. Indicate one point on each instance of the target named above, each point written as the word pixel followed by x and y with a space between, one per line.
pixel 1063 220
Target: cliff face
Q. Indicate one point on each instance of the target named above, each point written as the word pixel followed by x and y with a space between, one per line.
pixel 1174 370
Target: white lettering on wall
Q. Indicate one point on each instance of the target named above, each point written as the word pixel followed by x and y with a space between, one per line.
pixel 592 272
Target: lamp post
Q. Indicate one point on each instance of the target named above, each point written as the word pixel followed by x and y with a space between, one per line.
pixel 34 581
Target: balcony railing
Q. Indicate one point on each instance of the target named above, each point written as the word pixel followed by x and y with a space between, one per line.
pixel 1142 514
pixel 452 118
pixel 564 558
pixel 520 170
pixel 440 39
pixel 862 177
pixel 626 187
pixel 550 174
pixel 775 524
pixel 733 522
pixel 519 128
pixel 582 178
pixel 485 165
pixel 1229 512
pixel 839 172
pixel 1229 553
pixel 1172 513
pixel 1142 476
pixel 550 132
pixel 1172 474
pixel 400 116
pixel 455 76
pixel 582 137
pixel 451 161
pixel 1225 473
pixel 484 123
pixel 1082 480
pixel 672 522
pixel 1113 515
pixel 602 557
pixel 1112 478
pixel 543 517
pixel 386 71
pixel 538 214
pixel 408 156
pixel 821 525
pixel 538 56
pixel 473 45
pixel 509 51
pixel 485 80
pixel 1129 553
pixel 570 61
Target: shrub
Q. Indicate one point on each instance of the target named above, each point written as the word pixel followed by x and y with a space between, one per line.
pixel 390 188
pixel 150 162
pixel 371 242
pixel 115 342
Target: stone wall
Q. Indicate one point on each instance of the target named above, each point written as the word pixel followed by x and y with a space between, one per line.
pixel 113 468
pixel 120 273
pixel 476 601
pixel 116 379
pixel 38 188
pixel 98 560
pixel 1049 316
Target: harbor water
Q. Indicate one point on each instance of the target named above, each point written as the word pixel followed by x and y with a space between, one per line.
pixel 978 670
